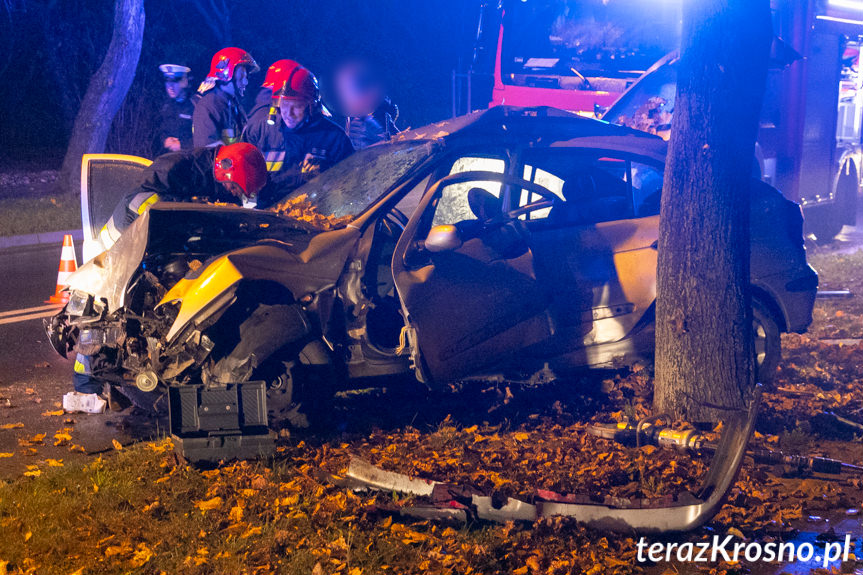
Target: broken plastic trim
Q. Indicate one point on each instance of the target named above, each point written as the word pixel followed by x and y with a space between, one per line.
pixel 663 515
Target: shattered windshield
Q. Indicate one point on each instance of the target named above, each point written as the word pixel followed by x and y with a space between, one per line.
pixel 649 105
pixel 590 37
pixel 338 195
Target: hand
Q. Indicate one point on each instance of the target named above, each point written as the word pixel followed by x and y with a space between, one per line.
pixel 310 166
pixel 172 144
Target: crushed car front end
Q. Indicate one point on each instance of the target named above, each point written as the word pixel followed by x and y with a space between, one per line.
pixel 112 313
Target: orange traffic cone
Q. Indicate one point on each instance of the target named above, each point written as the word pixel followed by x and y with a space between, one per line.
pixel 68 264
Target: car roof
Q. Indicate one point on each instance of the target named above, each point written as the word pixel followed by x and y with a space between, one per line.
pixel 538 126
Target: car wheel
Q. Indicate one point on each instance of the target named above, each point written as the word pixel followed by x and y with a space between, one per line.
pixel 824 222
pixel 153 402
pixel 767 341
pixel 300 385
pixel 301 395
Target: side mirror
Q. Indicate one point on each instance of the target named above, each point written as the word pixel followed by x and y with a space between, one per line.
pixel 443 238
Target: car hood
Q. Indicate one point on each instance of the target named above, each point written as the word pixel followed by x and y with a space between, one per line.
pixel 205 230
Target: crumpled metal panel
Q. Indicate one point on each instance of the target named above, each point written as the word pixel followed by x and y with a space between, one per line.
pixel 107 276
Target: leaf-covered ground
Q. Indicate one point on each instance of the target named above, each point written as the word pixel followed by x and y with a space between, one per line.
pixel 140 510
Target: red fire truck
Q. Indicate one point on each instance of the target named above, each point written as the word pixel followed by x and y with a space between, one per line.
pixel 587 55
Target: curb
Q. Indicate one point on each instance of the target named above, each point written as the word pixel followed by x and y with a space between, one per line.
pixel 43 238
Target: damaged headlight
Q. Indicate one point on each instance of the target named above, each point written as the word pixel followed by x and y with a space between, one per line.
pixel 80 303
pixel 91 340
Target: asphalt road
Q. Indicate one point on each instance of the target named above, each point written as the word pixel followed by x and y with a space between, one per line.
pixel 33 378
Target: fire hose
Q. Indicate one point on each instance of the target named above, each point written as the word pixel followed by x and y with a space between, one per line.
pixel 650 431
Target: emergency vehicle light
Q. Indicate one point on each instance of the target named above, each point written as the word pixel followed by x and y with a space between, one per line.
pixel 847 4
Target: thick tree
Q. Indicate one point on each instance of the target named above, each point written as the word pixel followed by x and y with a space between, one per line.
pixel 106 91
pixel 704 349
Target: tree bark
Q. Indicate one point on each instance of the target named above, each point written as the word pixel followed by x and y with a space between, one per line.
pixel 107 89
pixel 704 349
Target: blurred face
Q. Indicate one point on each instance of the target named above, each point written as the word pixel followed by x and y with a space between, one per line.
pixel 176 88
pixel 359 90
pixel 241 80
pixel 293 112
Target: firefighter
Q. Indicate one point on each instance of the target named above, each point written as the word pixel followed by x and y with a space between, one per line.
pixel 233 174
pixel 297 140
pixel 370 114
pixel 219 117
pixel 175 132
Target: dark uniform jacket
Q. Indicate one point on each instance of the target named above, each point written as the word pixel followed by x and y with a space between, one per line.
pixel 284 149
pixel 218 119
pixel 376 127
pixel 181 177
pixel 176 122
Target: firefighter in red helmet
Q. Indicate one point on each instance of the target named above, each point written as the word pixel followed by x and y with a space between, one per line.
pixel 219 117
pixel 264 100
pixel 297 140
pixel 233 174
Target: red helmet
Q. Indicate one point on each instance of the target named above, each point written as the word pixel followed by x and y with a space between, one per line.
pixel 243 164
pixel 226 60
pixel 278 72
pixel 297 84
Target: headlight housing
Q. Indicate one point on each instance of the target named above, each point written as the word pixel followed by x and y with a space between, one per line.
pixel 80 304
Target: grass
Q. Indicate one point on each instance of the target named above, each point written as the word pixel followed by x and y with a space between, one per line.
pixel 35 215
pixel 838 318
pixel 140 511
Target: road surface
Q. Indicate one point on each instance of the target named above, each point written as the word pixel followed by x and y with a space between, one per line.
pixel 33 378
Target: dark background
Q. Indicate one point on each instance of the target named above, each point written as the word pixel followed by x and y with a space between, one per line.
pixel 50 48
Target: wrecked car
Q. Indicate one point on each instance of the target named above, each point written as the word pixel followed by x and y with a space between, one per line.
pixel 508 242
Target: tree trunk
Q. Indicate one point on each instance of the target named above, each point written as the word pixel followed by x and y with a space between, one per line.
pixel 107 89
pixel 704 349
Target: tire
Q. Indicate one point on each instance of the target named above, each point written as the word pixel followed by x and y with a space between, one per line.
pixel 301 396
pixel 153 402
pixel 273 345
pixel 824 222
pixel 768 343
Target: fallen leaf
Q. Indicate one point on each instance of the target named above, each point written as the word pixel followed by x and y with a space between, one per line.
pixel 11 425
pixel 141 556
pixel 62 437
pixel 57 413
pixel 4 455
pixel 54 462
pixel 209 504
pixel 117 445
pixel 736 532
pixel 251 531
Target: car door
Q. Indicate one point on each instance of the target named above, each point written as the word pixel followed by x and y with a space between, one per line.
pixel 471 309
pixel 595 250
pixel 105 179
